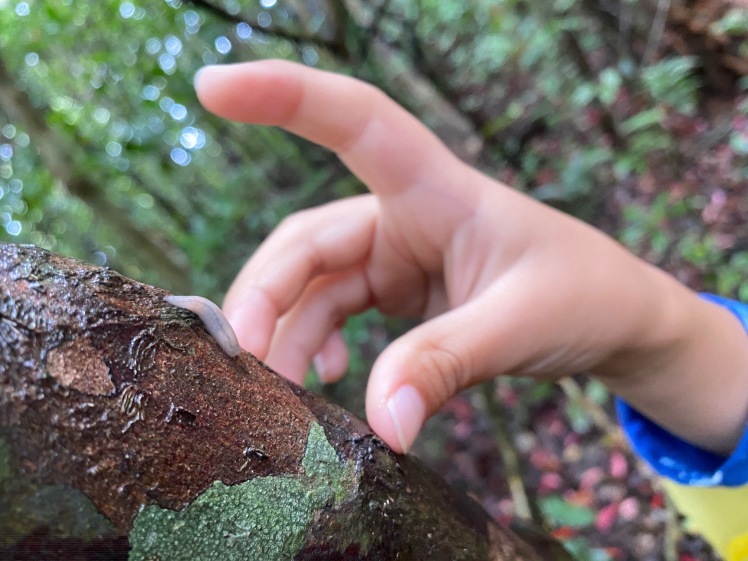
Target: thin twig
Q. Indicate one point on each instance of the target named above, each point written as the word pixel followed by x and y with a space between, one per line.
pixel 522 505
pixel 597 414
pixel 298 39
pixel 673 532
pixel 656 31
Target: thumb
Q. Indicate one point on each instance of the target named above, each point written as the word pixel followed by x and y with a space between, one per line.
pixel 420 371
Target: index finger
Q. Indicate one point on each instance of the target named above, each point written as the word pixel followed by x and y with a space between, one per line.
pixel 384 145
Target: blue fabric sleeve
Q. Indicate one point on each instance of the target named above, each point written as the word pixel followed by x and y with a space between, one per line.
pixel 676 459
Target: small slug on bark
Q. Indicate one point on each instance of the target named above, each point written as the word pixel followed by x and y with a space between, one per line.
pixel 213 319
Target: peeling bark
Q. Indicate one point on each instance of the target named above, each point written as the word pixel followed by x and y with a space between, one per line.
pixel 115 403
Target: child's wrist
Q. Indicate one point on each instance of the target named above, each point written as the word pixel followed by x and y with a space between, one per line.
pixel 661 328
pixel 688 372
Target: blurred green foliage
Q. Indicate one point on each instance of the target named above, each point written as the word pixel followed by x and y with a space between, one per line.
pixel 112 83
pixel 563 513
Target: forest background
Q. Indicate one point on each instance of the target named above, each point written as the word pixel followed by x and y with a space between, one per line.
pixel 631 115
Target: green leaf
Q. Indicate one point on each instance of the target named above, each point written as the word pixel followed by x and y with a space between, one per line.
pixel 562 513
pixel 643 120
pixel 610 83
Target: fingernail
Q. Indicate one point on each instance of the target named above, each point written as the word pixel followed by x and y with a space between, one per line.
pixel 407 410
pixel 206 71
pixel 322 367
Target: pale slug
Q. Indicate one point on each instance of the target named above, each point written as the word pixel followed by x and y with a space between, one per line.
pixel 213 319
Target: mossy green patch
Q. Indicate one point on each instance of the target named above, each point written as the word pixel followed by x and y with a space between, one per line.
pixel 264 519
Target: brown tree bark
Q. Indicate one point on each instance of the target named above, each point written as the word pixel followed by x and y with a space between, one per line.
pixel 115 403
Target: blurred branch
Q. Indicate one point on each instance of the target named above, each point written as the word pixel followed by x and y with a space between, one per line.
pixel 607 120
pixel 299 38
pixel 341 20
pixel 60 157
pixel 673 531
pixel 615 22
pixel 597 414
pixel 419 80
pixel 656 31
pixel 352 45
pixel 524 508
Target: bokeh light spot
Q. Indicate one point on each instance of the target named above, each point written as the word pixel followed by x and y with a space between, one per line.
pixel 178 112
pixel 191 18
pixel 114 149
pixel 153 45
pixel 101 116
pixel 126 10
pixel 22 9
pixel 309 56
pixel 264 19
pixel 192 138
pixel 173 45
pixel 243 31
pixel 99 258
pixel 222 44
pixel 155 125
pixel 167 63
pixel 150 92
pixel 13 227
pixel 180 156
pixel 166 104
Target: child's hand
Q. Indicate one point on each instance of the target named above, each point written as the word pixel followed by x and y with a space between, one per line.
pixel 508 286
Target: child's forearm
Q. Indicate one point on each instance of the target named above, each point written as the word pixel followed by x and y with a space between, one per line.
pixel 690 375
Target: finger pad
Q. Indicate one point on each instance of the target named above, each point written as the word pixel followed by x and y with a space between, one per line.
pixel 258 93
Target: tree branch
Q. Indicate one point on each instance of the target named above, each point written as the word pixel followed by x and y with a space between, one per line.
pixel 298 38
pixel 107 389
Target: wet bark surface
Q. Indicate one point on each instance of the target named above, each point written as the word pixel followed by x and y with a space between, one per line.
pixel 111 394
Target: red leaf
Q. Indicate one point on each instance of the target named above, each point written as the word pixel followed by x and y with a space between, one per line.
pixel 606 517
pixel 619 467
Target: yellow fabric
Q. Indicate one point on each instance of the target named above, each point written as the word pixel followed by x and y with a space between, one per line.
pixel 738 550
pixel 720 514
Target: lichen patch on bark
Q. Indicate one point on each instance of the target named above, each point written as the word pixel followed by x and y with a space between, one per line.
pixel 264 519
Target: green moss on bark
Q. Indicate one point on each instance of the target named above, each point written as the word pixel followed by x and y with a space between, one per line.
pixel 264 519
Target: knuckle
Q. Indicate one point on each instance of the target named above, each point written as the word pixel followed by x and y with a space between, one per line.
pixel 374 100
pixel 297 231
pixel 446 368
pixel 294 224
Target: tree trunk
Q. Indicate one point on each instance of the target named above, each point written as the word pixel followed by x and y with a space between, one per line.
pixel 115 403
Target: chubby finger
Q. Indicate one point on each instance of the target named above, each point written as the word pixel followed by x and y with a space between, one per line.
pixel 308 329
pixel 327 239
pixel 331 361
pixel 384 145
pixel 417 373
